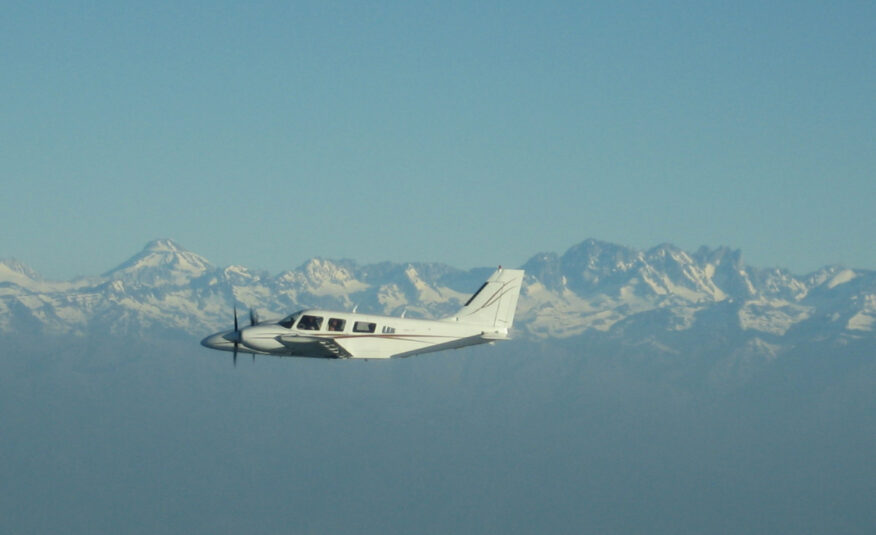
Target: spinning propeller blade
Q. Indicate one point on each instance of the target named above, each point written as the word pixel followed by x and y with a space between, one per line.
pixel 236 338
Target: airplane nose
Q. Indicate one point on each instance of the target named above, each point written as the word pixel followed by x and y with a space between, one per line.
pixel 258 338
pixel 217 341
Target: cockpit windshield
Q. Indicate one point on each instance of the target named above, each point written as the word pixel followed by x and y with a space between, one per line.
pixel 289 320
pixel 310 323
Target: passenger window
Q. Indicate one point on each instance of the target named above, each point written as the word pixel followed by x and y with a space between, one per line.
pixel 310 323
pixel 364 327
pixel 335 324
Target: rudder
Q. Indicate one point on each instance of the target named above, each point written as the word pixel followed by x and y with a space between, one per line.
pixel 495 303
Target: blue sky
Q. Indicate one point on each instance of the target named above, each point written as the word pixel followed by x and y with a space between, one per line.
pixel 474 134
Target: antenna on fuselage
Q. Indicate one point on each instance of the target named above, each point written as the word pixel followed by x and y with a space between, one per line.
pixel 355 308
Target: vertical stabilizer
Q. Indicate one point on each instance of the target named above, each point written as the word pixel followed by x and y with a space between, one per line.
pixel 495 303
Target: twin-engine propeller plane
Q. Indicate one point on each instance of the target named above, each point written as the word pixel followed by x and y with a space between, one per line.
pixel 486 317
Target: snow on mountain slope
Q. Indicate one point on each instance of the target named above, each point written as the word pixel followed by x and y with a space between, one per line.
pixel 320 277
pixel 162 262
pixel 15 272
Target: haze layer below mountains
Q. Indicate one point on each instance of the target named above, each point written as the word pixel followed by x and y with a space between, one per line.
pixel 640 396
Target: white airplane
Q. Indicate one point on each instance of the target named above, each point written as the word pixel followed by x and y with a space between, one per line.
pixel 486 317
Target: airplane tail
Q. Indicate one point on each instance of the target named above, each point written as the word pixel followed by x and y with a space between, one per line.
pixel 495 303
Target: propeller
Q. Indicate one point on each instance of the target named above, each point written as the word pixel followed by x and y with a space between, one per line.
pixel 253 321
pixel 236 338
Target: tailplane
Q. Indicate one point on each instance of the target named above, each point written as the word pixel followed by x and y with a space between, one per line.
pixel 495 303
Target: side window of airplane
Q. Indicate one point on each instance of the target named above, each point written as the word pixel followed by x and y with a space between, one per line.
pixel 335 324
pixel 364 327
pixel 388 330
pixel 310 323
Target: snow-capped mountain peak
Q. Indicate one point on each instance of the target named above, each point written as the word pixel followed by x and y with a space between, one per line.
pixel 322 277
pixel 13 271
pixel 164 245
pixel 161 262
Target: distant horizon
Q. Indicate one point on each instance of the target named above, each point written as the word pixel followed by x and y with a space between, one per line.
pixel 360 262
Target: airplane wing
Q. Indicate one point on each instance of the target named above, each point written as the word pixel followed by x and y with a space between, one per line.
pixel 453 344
pixel 331 345
pixel 314 346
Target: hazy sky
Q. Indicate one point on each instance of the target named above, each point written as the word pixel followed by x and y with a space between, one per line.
pixel 470 133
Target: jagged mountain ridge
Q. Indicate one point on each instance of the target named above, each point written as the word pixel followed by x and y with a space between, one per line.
pixel 594 287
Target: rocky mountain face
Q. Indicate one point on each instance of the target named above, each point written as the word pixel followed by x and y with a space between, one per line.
pixel 602 296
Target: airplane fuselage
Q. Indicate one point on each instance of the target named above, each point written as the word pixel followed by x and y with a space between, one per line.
pixel 349 335
pixel 486 317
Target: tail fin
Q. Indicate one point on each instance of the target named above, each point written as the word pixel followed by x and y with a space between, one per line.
pixel 494 304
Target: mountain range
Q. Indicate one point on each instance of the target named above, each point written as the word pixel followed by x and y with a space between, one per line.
pixel 598 295
pixel 654 390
